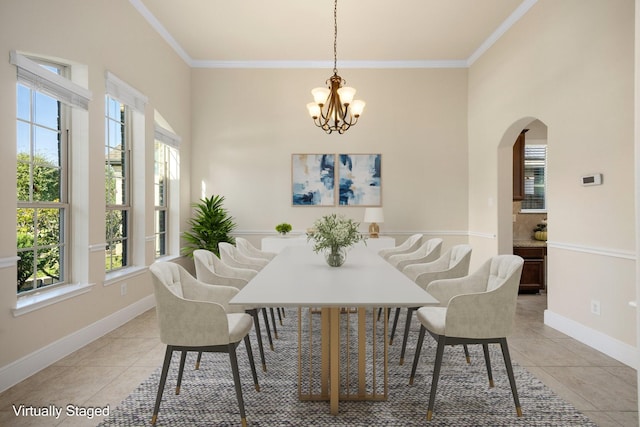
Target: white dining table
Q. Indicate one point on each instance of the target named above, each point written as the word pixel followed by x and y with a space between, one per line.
pixel 298 277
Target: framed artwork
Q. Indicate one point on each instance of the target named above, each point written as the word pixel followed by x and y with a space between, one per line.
pixel 359 179
pixel 313 179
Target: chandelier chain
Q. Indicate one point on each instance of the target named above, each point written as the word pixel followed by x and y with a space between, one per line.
pixel 335 37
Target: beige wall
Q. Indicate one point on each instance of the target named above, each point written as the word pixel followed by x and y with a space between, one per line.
pixel 247 123
pixel 100 35
pixel 441 133
pixel 570 64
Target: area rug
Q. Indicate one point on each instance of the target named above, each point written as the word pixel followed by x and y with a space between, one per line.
pixel 207 396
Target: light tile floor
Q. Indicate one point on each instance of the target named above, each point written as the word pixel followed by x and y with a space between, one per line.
pixel 110 368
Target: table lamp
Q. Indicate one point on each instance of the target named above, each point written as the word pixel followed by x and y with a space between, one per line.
pixel 373 216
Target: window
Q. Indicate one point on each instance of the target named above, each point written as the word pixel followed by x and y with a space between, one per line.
pixel 161 197
pixel 42 209
pixel 117 185
pixel 535 178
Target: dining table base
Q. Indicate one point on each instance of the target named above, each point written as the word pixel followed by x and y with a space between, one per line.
pixel 350 360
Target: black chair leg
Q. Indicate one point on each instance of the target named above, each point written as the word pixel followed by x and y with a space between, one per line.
pixel 273 320
pixel 436 376
pixel 267 327
pixel 407 326
pixel 236 381
pixel 280 315
pixel 423 330
pixel 183 358
pixel 395 324
pixel 163 379
pixel 466 353
pixel 512 379
pixel 247 345
pixel 487 361
pixel 198 360
pixel 256 325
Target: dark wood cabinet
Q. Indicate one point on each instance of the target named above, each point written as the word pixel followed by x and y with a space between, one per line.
pixel 533 271
pixel 518 167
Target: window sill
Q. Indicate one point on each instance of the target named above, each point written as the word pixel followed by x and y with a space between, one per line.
pixel 44 298
pixel 125 273
pixel 533 211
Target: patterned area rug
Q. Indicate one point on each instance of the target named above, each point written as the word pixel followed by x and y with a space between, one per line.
pixel 207 396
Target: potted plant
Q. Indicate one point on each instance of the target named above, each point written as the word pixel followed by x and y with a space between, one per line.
pixel 283 228
pixel 210 225
pixel 332 234
pixel 540 232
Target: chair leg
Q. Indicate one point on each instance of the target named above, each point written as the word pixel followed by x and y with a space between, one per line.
pixel 436 376
pixel 273 320
pixel 183 358
pixel 280 315
pixel 407 326
pixel 256 325
pixel 423 330
pixel 512 379
pixel 487 361
pixel 247 345
pixel 163 379
pixel 395 324
pixel 198 360
pixel 466 353
pixel 236 382
pixel 267 327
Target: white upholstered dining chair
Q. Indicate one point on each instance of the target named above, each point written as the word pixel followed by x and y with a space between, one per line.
pixel 453 263
pixel 480 310
pixel 231 256
pixel 246 248
pixel 206 273
pixel 411 244
pixel 428 251
pixel 193 316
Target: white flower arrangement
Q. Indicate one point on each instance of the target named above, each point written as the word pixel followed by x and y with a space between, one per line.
pixel 334 232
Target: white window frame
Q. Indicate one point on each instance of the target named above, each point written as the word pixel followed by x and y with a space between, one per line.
pixel 524 210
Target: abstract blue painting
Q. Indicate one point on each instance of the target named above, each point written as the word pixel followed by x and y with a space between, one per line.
pixel 313 179
pixel 360 179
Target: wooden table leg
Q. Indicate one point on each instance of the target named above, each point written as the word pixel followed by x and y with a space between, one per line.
pixel 334 360
pixel 325 356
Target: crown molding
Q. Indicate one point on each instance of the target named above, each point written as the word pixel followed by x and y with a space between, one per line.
pixel 372 64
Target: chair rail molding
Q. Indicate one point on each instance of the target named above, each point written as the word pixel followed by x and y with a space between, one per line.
pixel 594 250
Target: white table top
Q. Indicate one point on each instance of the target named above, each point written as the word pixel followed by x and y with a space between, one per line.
pixel 300 277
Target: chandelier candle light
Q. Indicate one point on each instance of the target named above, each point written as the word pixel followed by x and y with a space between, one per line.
pixel 334 108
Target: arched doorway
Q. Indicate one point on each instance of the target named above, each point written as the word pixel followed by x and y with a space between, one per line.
pixel 509 226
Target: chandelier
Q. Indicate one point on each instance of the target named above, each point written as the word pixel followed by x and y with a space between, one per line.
pixel 334 108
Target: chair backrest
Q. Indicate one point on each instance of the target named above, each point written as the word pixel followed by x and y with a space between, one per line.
pixel 452 264
pixel 487 314
pixel 502 271
pixel 428 251
pixel 459 254
pixel 168 274
pixel 203 260
pixel 409 245
pixel 227 251
pixel 194 321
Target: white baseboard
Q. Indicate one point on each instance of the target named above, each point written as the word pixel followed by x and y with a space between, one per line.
pixel 612 347
pixel 30 364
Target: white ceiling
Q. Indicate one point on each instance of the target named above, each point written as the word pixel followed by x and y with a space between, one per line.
pixel 299 33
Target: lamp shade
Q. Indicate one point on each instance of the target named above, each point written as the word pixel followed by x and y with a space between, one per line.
pixel 373 215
